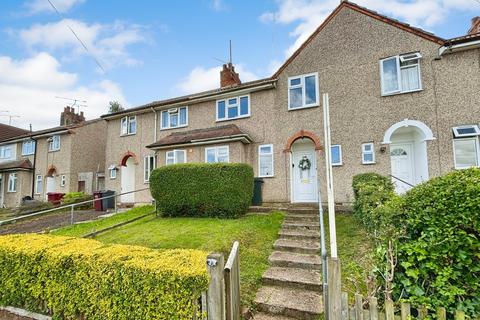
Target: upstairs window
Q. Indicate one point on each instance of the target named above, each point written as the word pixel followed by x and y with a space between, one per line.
pixel 336 155
pixel 174 118
pixel 233 108
pixel 303 91
pixel 54 143
pixel 129 125
pixel 28 148
pixel 12 182
pixel 400 74
pixel 265 160
pixel 217 154
pixel 368 153
pixel 149 163
pixel 5 152
pixel 175 156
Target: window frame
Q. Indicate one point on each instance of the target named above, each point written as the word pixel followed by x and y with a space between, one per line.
pixel 398 59
pixel 372 152
pixel 304 95
pixel 37 180
pixel 128 120
pixel 63 180
pixel 273 160
pixel 339 153
pixel 3 152
pixel 217 119
pixel 112 169
pixel 477 147
pixel 32 144
pixel 51 143
pixel 169 124
pixel 148 165
pixel 456 134
pixel 12 182
pixel 216 153
pixel 175 161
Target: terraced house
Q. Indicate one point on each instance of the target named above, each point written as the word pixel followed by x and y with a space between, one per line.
pixel 67 158
pixel 403 102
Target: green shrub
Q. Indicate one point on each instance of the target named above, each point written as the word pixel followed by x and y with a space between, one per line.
pixel 76 197
pixel 440 254
pixel 73 278
pixel 33 206
pixel 202 189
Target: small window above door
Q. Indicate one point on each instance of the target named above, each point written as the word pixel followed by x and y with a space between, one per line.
pixel 466 131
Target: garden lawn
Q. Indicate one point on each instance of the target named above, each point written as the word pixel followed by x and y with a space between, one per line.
pixel 256 234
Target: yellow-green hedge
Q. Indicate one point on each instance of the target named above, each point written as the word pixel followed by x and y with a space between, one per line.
pixel 73 278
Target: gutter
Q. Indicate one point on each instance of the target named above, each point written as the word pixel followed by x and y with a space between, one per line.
pixel 34 174
pixel 458 47
pixel 234 138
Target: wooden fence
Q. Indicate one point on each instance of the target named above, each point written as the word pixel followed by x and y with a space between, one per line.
pixel 370 310
pixel 222 299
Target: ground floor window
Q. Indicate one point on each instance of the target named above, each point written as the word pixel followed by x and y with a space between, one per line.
pixel 113 171
pixel 368 153
pixel 466 152
pixel 176 156
pixel 336 155
pixel 217 154
pixel 149 163
pixel 265 160
pixel 63 180
pixel 38 184
pixel 12 182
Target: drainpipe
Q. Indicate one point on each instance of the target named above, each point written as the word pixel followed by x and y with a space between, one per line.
pixel 34 168
pixel 155 125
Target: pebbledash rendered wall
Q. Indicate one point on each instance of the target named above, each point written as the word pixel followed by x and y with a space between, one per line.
pixel 346 55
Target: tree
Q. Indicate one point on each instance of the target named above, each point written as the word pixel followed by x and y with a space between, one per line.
pixel 115 106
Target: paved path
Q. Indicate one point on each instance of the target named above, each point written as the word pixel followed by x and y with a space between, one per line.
pixel 292 287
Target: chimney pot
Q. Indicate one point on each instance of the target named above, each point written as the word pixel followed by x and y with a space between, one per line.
pixel 228 76
pixel 475 28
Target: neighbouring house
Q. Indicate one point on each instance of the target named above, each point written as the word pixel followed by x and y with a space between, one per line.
pixel 67 158
pixel 403 102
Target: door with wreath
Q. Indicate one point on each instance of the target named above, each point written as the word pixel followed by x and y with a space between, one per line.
pixel 304 176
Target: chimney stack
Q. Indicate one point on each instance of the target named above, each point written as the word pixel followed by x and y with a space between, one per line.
pixel 228 76
pixel 475 28
pixel 68 116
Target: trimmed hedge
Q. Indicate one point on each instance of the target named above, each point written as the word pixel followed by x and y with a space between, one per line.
pixel 202 189
pixel 76 197
pixel 73 278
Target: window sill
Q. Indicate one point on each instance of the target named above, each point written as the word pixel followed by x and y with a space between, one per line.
pixel 304 107
pixel 368 163
pixel 266 176
pixel 50 151
pixel 399 93
pixel 113 178
pixel 171 128
pixel 26 155
pixel 337 164
pixel 11 191
pixel 230 119
pixel 128 134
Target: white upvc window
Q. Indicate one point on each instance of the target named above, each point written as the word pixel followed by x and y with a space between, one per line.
pixel 63 180
pixel 28 147
pixel 174 118
pixel 217 154
pixel 5 152
pixel 128 125
pixel 265 160
pixel 466 152
pixel 12 182
pixel 149 163
pixel 175 156
pixel 233 108
pixel 113 171
pixel 303 91
pixel 466 131
pixel 38 184
pixel 400 74
pixel 54 143
pixel 368 153
pixel 336 155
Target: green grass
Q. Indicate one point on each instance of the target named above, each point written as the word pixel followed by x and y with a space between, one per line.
pixel 82 229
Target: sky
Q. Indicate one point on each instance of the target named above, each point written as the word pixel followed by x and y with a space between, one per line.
pixel 139 51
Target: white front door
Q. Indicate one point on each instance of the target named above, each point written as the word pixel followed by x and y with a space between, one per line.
pixel 128 181
pixel 401 157
pixel 304 181
pixel 50 184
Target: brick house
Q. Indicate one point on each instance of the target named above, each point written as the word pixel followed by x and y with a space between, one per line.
pixel 403 102
pixel 66 158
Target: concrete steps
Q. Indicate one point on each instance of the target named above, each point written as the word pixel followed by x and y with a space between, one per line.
pixel 309 218
pixel 294 278
pixel 307 246
pixel 295 260
pixel 300 235
pixel 300 225
pixel 290 302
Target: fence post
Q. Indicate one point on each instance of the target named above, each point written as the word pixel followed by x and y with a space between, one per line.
pixel 459 315
pixel 373 305
pixel 405 311
pixel 422 312
pixel 344 306
pixel 334 289
pixel 71 214
pixel 358 306
pixel 232 283
pixel 441 313
pixel 389 310
pixel 216 288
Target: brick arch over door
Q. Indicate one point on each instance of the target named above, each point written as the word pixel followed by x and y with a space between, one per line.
pixel 52 170
pixel 300 135
pixel 127 155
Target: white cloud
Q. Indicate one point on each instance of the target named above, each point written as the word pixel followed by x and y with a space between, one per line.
pixel 202 79
pixel 107 42
pixel 28 89
pixel 309 14
pixel 38 6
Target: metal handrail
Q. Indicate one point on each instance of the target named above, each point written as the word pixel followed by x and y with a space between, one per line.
pixel 69 206
pixel 401 180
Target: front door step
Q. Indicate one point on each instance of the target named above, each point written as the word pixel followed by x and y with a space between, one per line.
pixel 295 260
pixel 293 277
pixel 291 302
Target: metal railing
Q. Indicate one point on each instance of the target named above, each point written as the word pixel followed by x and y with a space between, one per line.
pixel 401 180
pixel 71 206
